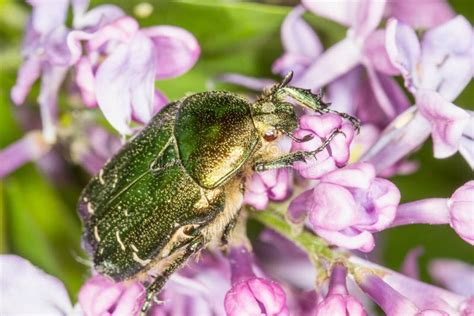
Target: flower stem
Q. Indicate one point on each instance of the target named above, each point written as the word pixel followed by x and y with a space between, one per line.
pixel 308 242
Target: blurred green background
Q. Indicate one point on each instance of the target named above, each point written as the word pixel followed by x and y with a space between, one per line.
pixel 37 215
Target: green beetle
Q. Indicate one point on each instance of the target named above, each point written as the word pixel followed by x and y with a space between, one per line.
pixel 178 185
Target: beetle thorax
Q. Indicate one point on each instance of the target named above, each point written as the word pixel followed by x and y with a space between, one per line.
pixel 273 117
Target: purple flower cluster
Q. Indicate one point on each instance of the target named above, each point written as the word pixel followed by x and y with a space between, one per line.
pixel 327 206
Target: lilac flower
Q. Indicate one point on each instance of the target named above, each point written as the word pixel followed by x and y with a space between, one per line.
pixel 197 289
pixel 134 59
pixel 25 289
pixel 273 184
pixel 420 14
pixel 102 296
pixel 334 156
pixel 363 45
pixel 338 301
pixel 31 147
pixel 348 205
pixel 443 61
pixel 252 295
pixel 457 211
pixel 435 72
pixel 453 275
pixel 410 263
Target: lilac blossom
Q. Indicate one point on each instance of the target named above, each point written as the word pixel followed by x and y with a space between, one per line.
pixel 134 59
pixel 338 301
pixel 420 14
pixel 454 275
pixel 457 211
pixel 348 205
pixel 252 295
pixel 31 147
pixel 321 127
pixel 41 293
pixel 102 296
pixel 363 45
pixel 273 184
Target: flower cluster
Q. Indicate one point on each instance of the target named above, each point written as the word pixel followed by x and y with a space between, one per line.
pixel 319 214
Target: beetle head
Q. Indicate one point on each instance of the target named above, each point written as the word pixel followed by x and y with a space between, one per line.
pixel 272 114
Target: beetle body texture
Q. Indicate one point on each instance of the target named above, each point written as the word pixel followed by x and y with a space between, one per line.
pixel 179 183
pixel 169 184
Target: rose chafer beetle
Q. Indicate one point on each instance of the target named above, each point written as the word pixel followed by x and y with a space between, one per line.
pixel 178 185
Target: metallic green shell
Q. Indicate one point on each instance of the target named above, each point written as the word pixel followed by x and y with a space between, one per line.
pixel 215 135
pixel 140 198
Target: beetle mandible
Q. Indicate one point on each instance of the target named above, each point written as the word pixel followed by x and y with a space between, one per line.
pixel 178 184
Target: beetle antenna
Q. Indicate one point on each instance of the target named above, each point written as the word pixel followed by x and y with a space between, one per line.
pixel 286 80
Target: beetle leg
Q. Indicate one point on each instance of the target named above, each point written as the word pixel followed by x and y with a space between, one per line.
pixel 314 102
pixel 287 161
pixel 228 230
pixel 155 287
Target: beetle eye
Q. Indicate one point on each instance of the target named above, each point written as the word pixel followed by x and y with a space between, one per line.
pixel 270 135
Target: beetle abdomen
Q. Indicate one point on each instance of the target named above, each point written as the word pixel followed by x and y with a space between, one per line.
pixel 215 136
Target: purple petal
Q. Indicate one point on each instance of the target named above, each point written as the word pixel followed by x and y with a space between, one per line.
pixel 454 275
pixel 301 44
pixel 406 133
pixel 376 54
pixel 27 290
pixel 466 146
pixel 427 211
pixel 85 80
pixel 47 15
pixel 391 301
pixel 51 81
pixel 403 49
pixel 359 175
pixel 461 210
pixel 298 37
pixel 363 241
pixel 410 263
pixel 420 14
pixel 334 62
pixel 29 71
pixel 343 90
pixel 299 206
pixel 448 48
pixel 125 83
pixel 447 122
pixel 96 17
pixel 176 50
pixel 342 12
pixel 368 17
pixel 332 207
pixel 30 148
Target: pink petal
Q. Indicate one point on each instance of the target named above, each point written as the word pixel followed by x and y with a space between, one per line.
pixel 334 62
pixel 363 241
pixel 368 17
pixel 299 206
pixel 342 12
pixel 85 80
pixel 447 121
pixel 125 83
pixel 332 207
pixel 321 125
pixel 359 175
pixel 30 148
pixel 376 53
pixel 176 50
pixel 403 49
pixel 131 300
pixel 420 14
pixel 95 17
pixel 51 81
pixel 29 71
pixel 298 37
pixel 27 290
pixel 455 275
pixel 48 14
pixel 342 91
pixel 466 146
pixel 253 83
pixel 449 48
pixel 461 209
pixel 410 263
